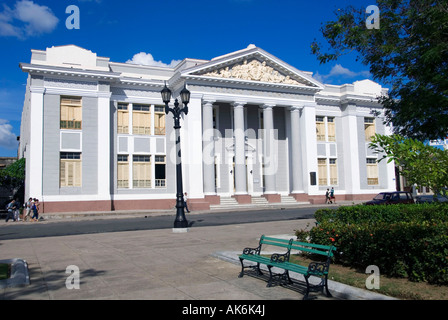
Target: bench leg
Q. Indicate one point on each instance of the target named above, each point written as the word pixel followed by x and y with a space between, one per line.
pixel 307 288
pixel 270 277
pixel 242 269
pixel 326 286
pixel 257 267
pixel 288 278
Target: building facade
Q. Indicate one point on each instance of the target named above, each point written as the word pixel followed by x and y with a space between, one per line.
pixel 96 138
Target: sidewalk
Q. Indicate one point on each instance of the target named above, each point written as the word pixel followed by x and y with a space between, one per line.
pixel 154 265
pixel 58 216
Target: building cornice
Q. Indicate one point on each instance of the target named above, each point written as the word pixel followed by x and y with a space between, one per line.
pixel 74 72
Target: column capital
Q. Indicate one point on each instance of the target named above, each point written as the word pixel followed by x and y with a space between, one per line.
pixel 208 101
pixel 268 105
pixel 37 89
pixel 296 108
pixel 238 104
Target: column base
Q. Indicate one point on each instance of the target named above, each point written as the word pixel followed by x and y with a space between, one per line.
pixel 212 199
pixel 198 204
pixel 243 198
pixel 273 198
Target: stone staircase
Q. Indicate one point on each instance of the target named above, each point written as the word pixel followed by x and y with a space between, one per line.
pixel 231 203
pixel 259 201
pixel 226 203
pixel 289 200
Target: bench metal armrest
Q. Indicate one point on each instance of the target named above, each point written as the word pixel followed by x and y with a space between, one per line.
pixel 318 268
pixel 279 257
pixel 249 251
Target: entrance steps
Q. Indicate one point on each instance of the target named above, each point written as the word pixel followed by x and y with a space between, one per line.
pixel 259 201
pixel 289 200
pixel 227 203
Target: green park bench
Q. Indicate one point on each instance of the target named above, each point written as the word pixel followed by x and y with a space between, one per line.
pixel 281 261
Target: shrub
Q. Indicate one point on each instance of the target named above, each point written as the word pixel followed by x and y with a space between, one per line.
pixel 403 241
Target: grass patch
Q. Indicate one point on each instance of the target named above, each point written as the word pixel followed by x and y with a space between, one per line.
pixel 4 271
pixel 393 287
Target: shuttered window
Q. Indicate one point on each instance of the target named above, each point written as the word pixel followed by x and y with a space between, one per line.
pixel 322 171
pixel 122 118
pixel 320 128
pixel 123 171
pixel 71 113
pixel 372 171
pixel 325 128
pixel 141 171
pixel 369 128
pixel 159 120
pixel 70 174
pixel 333 172
pixel 331 129
pixel 141 119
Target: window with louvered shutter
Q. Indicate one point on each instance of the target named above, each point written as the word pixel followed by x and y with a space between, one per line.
pixel 71 113
pixel 141 119
pixel 372 171
pixel 322 171
pixel 70 171
pixel 123 171
pixel 333 172
pixel 331 129
pixel 159 120
pixel 141 171
pixel 122 118
pixel 369 128
pixel 320 128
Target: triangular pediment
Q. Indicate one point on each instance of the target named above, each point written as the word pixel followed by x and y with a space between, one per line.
pixel 253 65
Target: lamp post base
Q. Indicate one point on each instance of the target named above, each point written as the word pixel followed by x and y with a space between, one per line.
pixel 180 230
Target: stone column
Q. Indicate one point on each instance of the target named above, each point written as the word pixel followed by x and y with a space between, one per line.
pixel 208 152
pixel 240 154
pixel 350 146
pixel 104 139
pixel 34 161
pixel 296 161
pixel 309 152
pixel 270 167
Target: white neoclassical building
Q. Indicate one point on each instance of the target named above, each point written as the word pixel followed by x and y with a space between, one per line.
pixel 96 138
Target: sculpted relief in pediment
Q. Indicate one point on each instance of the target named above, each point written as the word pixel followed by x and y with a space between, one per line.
pixel 253 70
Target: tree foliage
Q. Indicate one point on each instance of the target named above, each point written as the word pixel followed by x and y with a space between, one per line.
pixel 408 52
pixel 14 174
pixel 418 162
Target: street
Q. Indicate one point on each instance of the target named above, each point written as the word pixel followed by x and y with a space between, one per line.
pixel 65 227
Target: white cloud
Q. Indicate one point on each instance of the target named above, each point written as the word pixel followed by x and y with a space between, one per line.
pixel 26 19
pixel 338 71
pixel 8 139
pixel 148 60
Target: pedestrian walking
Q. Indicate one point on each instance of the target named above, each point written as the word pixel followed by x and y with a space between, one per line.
pixel 35 209
pixel 185 202
pixel 10 208
pixel 27 213
pixel 332 197
pixel 17 210
pixel 327 196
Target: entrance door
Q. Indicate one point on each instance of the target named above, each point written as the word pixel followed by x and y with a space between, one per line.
pixel 249 175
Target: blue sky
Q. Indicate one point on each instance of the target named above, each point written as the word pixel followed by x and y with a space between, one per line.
pixel 162 32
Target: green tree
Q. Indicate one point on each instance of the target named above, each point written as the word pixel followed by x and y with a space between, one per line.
pixel 418 162
pixel 14 174
pixel 408 52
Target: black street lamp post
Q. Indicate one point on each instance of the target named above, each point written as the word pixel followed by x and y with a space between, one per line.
pixel 181 221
